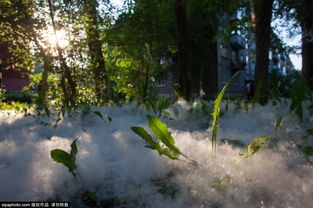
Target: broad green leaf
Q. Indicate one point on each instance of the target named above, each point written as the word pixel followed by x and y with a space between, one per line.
pixel 64 158
pixel 255 146
pixel 152 144
pixel 160 131
pixel 216 112
pixel 168 152
pixel 278 123
pixel 146 136
pixel 74 149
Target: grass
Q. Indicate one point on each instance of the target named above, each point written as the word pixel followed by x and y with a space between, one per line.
pixel 216 113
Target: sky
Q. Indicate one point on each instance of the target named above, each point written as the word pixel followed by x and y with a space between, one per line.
pixel 296 59
pixel 118 2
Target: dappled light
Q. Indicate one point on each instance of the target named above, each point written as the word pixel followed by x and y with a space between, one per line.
pixel 156 104
pixel 53 40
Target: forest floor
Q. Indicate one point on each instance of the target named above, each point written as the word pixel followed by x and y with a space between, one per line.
pixel 115 169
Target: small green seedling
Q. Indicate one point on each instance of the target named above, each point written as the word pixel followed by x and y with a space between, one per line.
pixel 68 160
pixel 221 185
pixel 278 123
pixel 255 146
pixel 216 113
pixel 160 131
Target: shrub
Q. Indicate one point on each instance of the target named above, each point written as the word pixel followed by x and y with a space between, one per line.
pixel 21 97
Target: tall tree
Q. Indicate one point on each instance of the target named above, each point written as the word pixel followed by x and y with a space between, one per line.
pixel 261 15
pixel 299 12
pixel 183 41
pixel 305 16
pixel 135 56
pixel 97 62
pixel 67 83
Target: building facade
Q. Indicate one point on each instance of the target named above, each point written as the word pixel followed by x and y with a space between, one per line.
pixel 12 79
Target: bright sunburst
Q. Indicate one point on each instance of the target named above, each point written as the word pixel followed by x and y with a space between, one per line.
pixel 51 38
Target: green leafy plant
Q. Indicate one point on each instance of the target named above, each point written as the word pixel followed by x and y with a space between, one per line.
pixel 159 104
pixel 161 131
pixel 278 123
pixel 97 113
pixel 21 97
pixel 167 145
pixel 168 189
pixel 68 160
pixel 221 184
pixel 308 150
pixel 216 113
pixel 255 146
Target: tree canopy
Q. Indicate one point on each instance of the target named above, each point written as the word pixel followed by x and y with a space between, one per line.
pixel 85 52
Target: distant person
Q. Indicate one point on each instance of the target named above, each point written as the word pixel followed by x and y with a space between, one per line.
pixel 249 89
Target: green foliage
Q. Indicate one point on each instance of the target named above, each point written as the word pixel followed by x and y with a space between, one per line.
pixel 290 86
pixel 278 123
pixel 98 114
pixel 21 97
pixel 68 160
pixel 17 106
pixel 177 92
pixel 2 95
pixel 168 189
pixel 308 150
pixel 221 184
pixel 158 105
pixel 161 131
pixel 216 112
pixel 255 146
pixel 309 131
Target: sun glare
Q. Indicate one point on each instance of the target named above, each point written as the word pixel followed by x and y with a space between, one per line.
pixel 51 39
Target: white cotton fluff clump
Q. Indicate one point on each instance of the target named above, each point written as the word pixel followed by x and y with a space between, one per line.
pixel 113 161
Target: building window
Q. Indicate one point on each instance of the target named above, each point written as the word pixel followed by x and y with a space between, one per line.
pixel 161 83
pixel 224 51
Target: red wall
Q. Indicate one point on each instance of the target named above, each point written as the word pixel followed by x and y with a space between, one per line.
pixel 13 79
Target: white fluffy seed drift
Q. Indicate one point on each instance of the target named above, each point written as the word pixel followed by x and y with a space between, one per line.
pixel 113 162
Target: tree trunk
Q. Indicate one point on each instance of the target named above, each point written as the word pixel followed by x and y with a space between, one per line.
pixel 184 59
pixel 95 49
pixel 69 94
pixel 148 67
pixel 261 22
pixel 307 41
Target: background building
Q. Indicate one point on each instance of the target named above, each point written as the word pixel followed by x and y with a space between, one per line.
pixel 11 77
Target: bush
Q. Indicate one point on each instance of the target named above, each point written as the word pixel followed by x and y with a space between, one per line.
pixel 21 97
pixel 1 95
